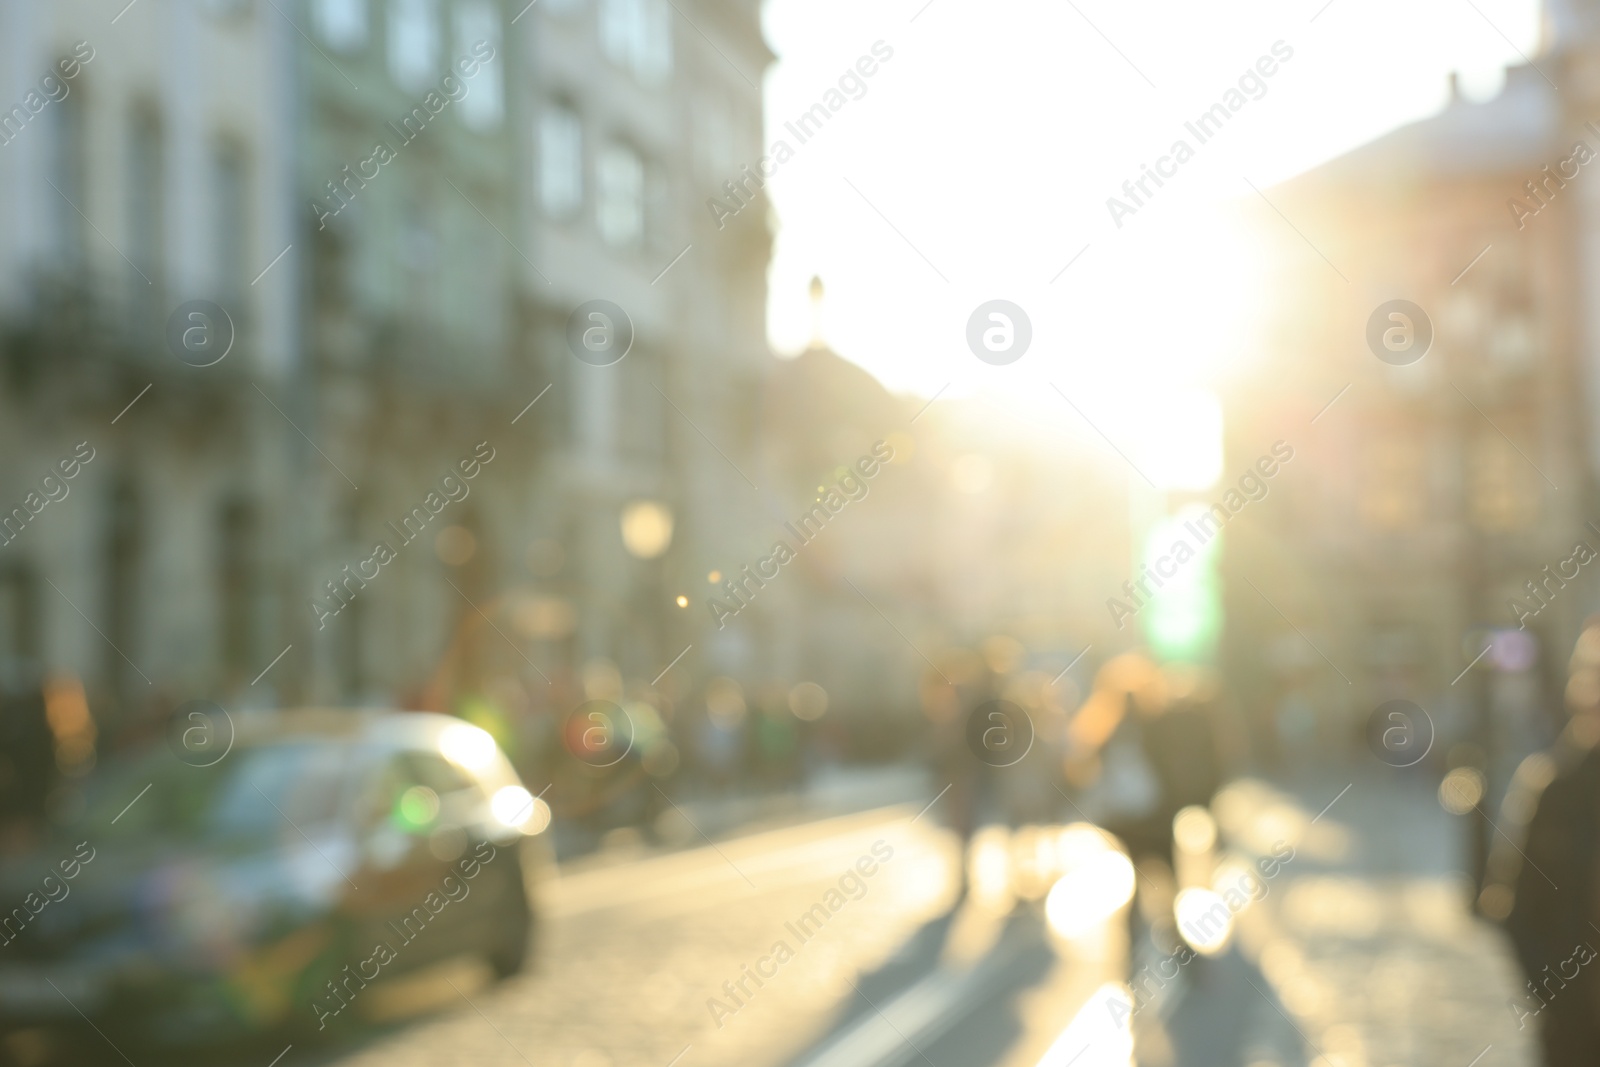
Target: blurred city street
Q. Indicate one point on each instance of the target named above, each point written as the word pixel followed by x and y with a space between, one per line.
pixel 1362 949
pixel 799 533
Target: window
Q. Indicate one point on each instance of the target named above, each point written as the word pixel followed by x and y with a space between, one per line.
pixel 124 544
pixel 560 161
pixel 1501 495
pixel 145 222
pixel 144 191
pixel 230 227
pixel 713 136
pixel 657 204
pixel 418 248
pixel 619 192
pixel 642 434
pixel 349 640
pixel 637 34
pixel 616 30
pixel 484 105
pixel 259 792
pixel 304 784
pixel 412 791
pixel 653 43
pixel 67 150
pixel 341 23
pixel 437 773
pixel 236 581
pixel 414 42
pixel 1393 494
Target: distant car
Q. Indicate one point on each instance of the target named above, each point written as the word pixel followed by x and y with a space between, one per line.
pixel 324 852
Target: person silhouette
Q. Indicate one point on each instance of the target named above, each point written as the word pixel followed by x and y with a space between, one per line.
pixel 1542 879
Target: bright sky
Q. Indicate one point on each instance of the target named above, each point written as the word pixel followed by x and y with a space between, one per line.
pixel 993 137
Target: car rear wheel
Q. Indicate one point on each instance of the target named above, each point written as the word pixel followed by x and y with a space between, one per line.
pixel 513 929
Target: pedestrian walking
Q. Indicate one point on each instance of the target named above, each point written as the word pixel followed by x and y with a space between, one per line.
pixel 1542 878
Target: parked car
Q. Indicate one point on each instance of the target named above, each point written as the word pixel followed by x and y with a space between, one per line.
pixel 324 852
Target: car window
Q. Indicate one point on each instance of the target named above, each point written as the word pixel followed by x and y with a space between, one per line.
pixel 301 783
pixel 255 790
pixel 438 773
pixel 411 789
pixel 381 791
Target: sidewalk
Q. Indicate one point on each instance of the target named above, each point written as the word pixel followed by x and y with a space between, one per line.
pixel 689 821
pixel 1364 940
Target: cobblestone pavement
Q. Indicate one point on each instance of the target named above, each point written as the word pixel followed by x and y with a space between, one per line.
pixel 1361 953
pixel 1368 945
pixel 632 953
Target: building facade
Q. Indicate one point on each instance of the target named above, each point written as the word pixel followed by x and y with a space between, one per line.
pixel 400 484
pixel 1445 458
pixel 142 162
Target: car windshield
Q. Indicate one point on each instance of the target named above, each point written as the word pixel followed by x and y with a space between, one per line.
pixel 253 792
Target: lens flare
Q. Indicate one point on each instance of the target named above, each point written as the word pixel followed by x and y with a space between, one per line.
pixel 1204 920
pixel 1194 830
pixel 989 869
pixel 417 807
pixel 1090 894
pixel 468 746
pixel 1462 790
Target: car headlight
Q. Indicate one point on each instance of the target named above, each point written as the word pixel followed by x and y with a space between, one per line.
pixel 519 809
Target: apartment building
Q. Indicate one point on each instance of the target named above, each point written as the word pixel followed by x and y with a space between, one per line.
pixel 400 205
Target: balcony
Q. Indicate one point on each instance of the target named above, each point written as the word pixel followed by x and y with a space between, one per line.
pixel 77 340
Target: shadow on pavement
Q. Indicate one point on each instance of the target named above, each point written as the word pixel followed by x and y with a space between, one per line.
pixel 970 1015
pixel 1218 1020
